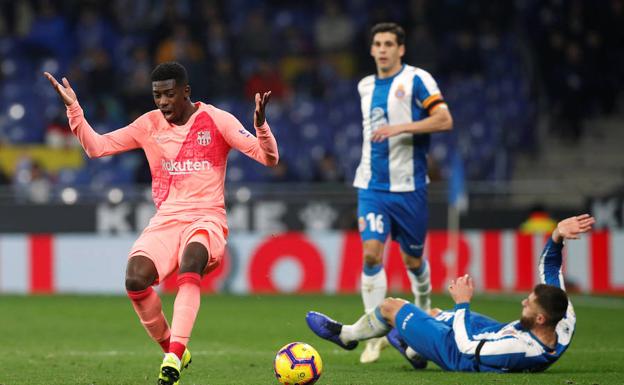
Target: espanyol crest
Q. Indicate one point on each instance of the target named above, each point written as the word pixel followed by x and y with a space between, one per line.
pixel 203 138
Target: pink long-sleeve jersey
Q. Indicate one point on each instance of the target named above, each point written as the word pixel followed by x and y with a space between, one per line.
pixel 187 162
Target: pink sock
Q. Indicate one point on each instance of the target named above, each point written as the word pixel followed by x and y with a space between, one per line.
pixel 148 307
pixel 185 310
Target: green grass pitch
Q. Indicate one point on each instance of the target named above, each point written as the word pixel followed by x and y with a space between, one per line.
pixel 94 340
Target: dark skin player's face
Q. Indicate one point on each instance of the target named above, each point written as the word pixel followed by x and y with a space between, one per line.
pixel 171 100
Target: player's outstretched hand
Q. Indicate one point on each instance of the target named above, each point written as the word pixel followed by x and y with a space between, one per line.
pixel 462 289
pixel 64 90
pixel 261 102
pixel 573 227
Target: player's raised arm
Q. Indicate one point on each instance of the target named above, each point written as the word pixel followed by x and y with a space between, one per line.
pixel 573 227
pixel 551 259
pixel 65 91
pixel 262 147
pixel 261 102
pixel 550 267
pixel 94 144
pixel 266 140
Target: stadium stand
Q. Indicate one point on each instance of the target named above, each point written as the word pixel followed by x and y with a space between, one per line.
pixel 494 86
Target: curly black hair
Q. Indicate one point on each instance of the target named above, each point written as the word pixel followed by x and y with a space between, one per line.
pixel 170 70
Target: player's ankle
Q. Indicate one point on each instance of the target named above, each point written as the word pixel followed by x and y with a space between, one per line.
pixel 177 348
pixel 164 345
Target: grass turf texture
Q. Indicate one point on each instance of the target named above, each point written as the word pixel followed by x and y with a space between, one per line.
pixel 99 340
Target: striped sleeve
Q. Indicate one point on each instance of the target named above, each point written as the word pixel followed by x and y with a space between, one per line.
pixel 503 353
pixel 426 92
pixel 550 264
pixel 550 273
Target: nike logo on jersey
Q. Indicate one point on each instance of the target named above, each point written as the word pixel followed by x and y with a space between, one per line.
pixel 162 139
pixel 244 132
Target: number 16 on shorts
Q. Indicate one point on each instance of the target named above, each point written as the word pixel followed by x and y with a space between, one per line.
pixel 372 226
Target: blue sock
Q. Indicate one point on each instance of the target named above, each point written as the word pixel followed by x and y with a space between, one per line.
pixel 418 271
pixel 372 270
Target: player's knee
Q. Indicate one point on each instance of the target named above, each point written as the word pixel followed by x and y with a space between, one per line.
pixel 137 282
pixel 141 273
pixel 372 259
pixel 390 306
pixel 372 252
pixel 412 262
pixel 195 258
pixel 435 311
pixel 212 266
pixel 386 308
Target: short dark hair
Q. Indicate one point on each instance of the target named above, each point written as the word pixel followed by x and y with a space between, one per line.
pixel 553 300
pixel 170 70
pixel 394 28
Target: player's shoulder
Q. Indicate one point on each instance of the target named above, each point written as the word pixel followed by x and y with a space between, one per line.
pixel 215 112
pixel 409 70
pixel 149 119
pixel 367 81
pixel 422 75
pixel 222 118
pixel 150 115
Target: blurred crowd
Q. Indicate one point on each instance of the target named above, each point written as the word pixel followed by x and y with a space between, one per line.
pixel 490 58
pixel 579 53
pixel 232 49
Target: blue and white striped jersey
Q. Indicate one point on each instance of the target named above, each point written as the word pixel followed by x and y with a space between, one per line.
pixel 398 163
pixel 507 347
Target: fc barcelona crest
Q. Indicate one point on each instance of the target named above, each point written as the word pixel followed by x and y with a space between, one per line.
pixel 203 138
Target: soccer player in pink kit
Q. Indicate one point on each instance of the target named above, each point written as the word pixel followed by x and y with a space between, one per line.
pixel 186 145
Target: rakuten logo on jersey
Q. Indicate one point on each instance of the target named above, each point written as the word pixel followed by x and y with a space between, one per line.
pixel 185 167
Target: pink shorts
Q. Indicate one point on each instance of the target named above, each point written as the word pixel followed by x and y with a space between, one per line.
pixel 165 238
